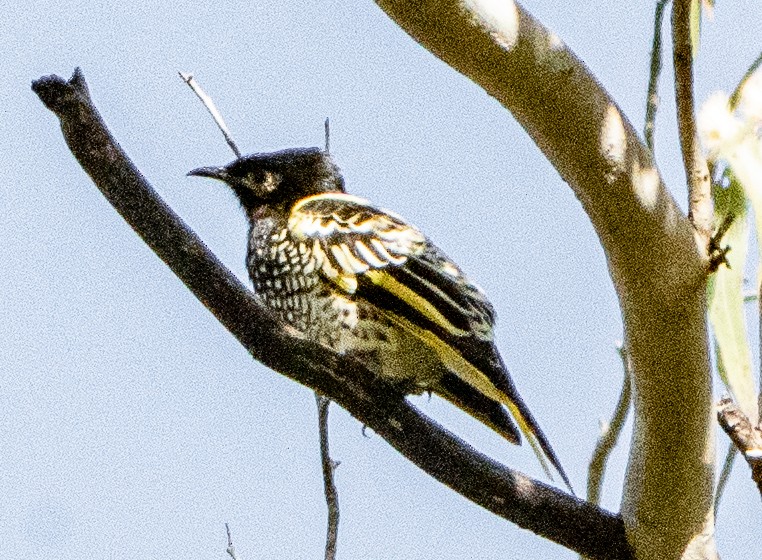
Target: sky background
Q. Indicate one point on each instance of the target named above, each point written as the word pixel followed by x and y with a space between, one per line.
pixel 132 425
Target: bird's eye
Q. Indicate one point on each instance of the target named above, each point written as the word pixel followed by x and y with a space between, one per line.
pixel 264 181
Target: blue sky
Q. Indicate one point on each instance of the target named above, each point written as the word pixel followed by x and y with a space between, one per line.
pixel 133 426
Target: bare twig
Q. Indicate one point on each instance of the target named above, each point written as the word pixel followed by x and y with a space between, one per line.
pixel 212 108
pixel 722 229
pixel 696 168
pixel 718 255
pixel 727 468
pixel 609 434
pixel 327 136
pixel 746 437
pixel 652 97
pixel 547 511
pixel 329 485
pixel 231 549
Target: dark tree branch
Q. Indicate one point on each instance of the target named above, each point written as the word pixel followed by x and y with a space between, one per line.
pixel 530 504
pixel 329 486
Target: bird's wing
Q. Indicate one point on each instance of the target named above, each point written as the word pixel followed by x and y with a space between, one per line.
pixel 360 248
pixel 375 255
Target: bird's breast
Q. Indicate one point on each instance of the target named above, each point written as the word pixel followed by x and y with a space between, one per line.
pixel 285 273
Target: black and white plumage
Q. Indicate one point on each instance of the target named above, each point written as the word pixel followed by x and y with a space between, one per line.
pixel 361 280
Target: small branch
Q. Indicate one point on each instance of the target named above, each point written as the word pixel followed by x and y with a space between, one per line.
pixel 696 167
pixel 231 549
pixel 652 97
pixel 532 505
pixel 722 229
pixel 212 108
pixel 327 126
pixel 746 438
pixel 727 468
pixel 718 255
pixel 329 486
pixel 609 434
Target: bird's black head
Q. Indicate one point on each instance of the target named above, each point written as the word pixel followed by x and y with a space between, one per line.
pixel 279 177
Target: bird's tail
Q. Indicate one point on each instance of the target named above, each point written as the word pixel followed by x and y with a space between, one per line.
pixel 484 409
pixel 478 382
pixel 531 430
pixel 498 404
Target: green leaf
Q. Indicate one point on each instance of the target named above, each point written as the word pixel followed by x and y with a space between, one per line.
pixel 726 300
pixel 745 161
pixel 735 97
pixel 695 26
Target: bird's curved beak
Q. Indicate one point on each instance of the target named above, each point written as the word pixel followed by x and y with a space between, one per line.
pixel 219 173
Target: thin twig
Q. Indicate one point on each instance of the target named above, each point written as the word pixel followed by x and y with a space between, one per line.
pixel 727 468
pixel 327 136
pixel 736 96
pixel 532 505
pixel 696 168
pixel 718 255
pixel 329 485
pixel 609 434
pixel 212 108
pixel 652 97
pixel 746 437
pixel 231 549
pixel 328 464
pixel 723 228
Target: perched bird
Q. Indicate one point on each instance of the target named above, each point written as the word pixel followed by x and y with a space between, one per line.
pixel 363 281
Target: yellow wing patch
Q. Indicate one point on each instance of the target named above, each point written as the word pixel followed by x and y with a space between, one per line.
pixel 452 359
pixel 470 374
pixel 383 280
